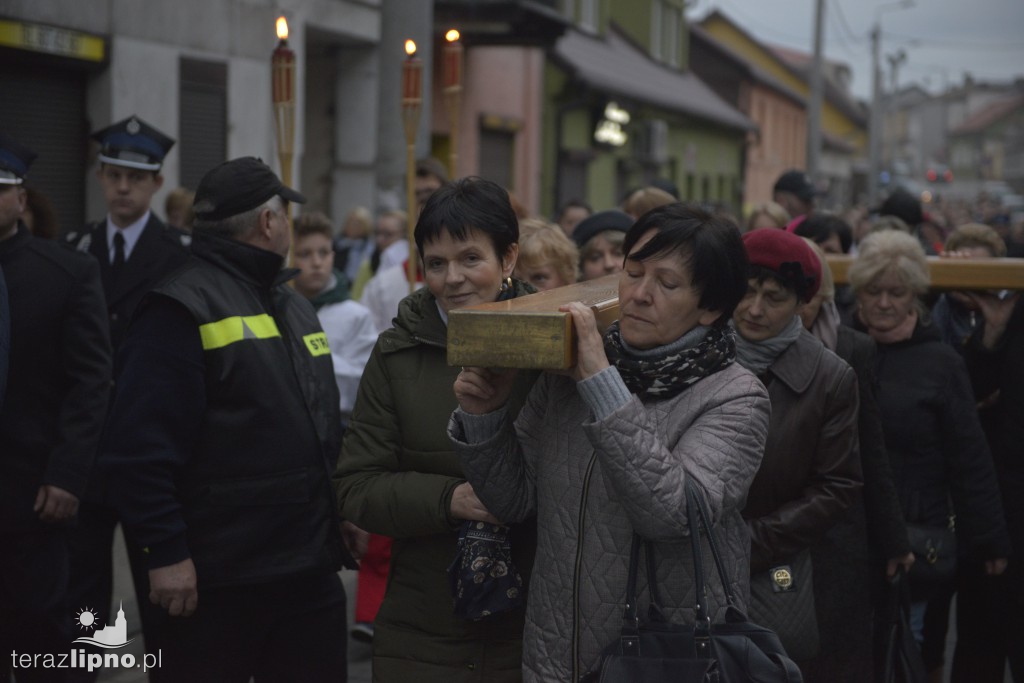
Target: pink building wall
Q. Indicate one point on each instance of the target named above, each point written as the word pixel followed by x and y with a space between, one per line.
pixel 505 82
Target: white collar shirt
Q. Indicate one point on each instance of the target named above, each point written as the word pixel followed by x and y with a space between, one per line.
pixel 131 235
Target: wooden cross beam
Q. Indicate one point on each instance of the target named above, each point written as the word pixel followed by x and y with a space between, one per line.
pixel 951 273
pixel 530 332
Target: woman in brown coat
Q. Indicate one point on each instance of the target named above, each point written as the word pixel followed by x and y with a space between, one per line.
pixel 811 473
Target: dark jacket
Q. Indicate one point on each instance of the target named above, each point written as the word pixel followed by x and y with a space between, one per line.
pixel 998 376
pixel 887 531
pixel 252 480
pixel 5 336
pixel 940 460
pixel 848 560
pixel 811 469
pixel 395 477
pixel 158 253
pixel 59 377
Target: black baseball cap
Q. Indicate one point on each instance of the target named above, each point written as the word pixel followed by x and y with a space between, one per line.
pixel 236 186
pixel 798 183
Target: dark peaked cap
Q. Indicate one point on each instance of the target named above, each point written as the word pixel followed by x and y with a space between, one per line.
pixel 133 143
pixel 15 160
pixel 233 187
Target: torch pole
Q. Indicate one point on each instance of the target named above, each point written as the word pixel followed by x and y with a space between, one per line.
pixel 453 99
pixel 282 69
pixel 412 98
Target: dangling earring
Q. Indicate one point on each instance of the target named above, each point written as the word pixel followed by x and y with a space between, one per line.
pixel 506 285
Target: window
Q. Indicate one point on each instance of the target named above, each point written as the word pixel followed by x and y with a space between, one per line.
pixel 203 118
pixel 497 156
pixel 588 14
pixel 666 24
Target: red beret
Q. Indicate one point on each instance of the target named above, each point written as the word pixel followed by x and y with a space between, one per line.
pixel 786 255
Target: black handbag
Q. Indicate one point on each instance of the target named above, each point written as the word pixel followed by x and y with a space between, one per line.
pixel 653 650
pixel 902 661
pixel 934 549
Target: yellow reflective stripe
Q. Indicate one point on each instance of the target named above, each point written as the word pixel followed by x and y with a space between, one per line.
pixel 221 333
pixel 317 343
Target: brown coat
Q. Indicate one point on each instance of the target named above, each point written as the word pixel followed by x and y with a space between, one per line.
pixel 811 469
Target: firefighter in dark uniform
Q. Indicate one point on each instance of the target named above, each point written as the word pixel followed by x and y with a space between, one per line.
pixel 56 400
pixel 135 251
pixel 223 433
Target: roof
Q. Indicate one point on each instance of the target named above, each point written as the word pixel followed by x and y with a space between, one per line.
pixel 986 116
pixel 835 92
pixel 833 95
pixel 616 66
pixel 752 70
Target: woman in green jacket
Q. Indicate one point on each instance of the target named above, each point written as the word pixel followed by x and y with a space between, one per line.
pixel 398 475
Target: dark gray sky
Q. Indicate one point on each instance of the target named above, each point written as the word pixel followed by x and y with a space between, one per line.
pixel 943 39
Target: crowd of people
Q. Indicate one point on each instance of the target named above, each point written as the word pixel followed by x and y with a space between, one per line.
pixel 254 427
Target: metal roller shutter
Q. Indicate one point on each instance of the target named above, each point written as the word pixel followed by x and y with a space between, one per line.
pixel 44 109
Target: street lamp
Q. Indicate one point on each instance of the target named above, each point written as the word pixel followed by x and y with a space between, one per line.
pixel 875 141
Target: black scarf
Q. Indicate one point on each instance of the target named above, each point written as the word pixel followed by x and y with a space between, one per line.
pixel 662 376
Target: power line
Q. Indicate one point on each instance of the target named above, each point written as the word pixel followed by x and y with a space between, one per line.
pixel 853 37
pixel 843 45
pixel 955 45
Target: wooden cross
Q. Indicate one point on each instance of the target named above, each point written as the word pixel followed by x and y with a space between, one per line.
pixel 530 332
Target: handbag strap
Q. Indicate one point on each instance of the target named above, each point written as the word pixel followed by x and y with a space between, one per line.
pixel 630 617
pixel 698 515
pixel 693 489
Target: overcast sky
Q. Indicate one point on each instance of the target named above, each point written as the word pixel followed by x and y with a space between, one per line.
pixel 943 39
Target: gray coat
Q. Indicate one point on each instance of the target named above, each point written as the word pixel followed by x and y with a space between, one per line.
pixel 591 483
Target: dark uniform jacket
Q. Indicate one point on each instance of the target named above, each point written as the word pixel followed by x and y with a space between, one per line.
pixel 5 335
pixel 158 253
pixel 59 376
pixel 250 475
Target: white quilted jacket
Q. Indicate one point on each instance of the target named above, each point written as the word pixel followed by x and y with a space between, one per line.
pixel 591 483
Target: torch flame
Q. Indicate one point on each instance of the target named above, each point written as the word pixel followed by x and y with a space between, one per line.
pixel 451 36
pixel 282 28
pixel 410 47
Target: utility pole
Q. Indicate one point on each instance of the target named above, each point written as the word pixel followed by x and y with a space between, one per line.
pixel 875 141
pixel 817 88
pixel 889 111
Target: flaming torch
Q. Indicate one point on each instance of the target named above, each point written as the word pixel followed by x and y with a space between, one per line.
pixel 282 92
pixel 412 98
pixel 282 69
pixel 453 93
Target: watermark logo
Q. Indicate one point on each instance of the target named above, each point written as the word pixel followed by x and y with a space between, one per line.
pixel 109 637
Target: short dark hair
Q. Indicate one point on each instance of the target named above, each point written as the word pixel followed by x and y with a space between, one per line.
pixel 709 245
pixel 818 227
pixel 313 223
pixel 763 274
pixel 469 203
pixel 431 166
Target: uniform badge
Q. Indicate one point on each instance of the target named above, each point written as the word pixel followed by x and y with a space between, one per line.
pixel 133 127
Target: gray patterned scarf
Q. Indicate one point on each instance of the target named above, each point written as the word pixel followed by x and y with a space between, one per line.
pixel 664 372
